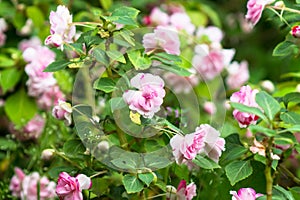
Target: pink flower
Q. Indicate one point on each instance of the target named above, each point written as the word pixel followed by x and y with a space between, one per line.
pixel 16 182
pixel 212 33
pixel 255 9
pixel 209 107
pixel 181 84
pixel 164 39
pixel 238 74
pixel 69 187
pixel 3 28
pixel 296 31
pixel 181 21
pixel 63 111
pixel 61 29
pixel 210 62
pixel 158 17
pixel 33 42
pixel 50 97
pixel 245 194
pixel 149 96
pixel 30 187
pixel 245 96
pixel 186 192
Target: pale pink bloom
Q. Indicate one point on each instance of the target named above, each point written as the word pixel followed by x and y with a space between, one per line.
pixel 181 21
pixel 158 17
pixel 163 38
pixel 268 86
pixel 259 148
pixel 47 154
pixel 33 42
pixel 255 9
pixel 245 96
pixel 210 107
pixel 39 55
pixel 149 96
pixel 3 28
pixel 212 33
pixel 16 182
pixel 186 192
pixel 63 111
pixel 2 39
pixel 37 86
pixel 245 194
pixel 61 25
pixel 50 97
pixel 210 62
pixel 54 40
pixel 238 74
pixel 69 187
pixel 181 84
pixel 30 187
pixel 27 28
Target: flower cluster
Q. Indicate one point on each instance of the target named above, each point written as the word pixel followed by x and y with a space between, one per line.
pixel 255 9
pixel 63 111
pixel 26 187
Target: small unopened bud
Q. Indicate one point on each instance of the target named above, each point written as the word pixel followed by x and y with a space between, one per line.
pixel 209 107
pixel 296 31
pixel 47 154
pixel 298 88
pixel 103 146
pixel 279 4
pixel 268 86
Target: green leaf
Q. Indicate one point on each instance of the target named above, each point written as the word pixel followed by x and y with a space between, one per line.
pixel 100 56
pixel 284 48
pixel 285 138
pixel 290 118
pixel 55 171
pixel 139 62
pixel 260 129
pixel 293 129
pixel 20 108
pixel 117 103
pixel 248 109
pixel 57 65
pixel 263 160
pixel 232 154
pixel 124 15
pixel 105 84
pixel 106 4
pixel 36 15
pixel 116 55
pixel 286 194
pixel 291 97
pixel 297 1
pixel 205 163
pixel 238 170
pixel 6 62
pixel 268 104
pixel 73 147
pixel 146 178
pixel 9 78
pixel 7 144
pixel 127 160
pixel 132 184
pixel 295 192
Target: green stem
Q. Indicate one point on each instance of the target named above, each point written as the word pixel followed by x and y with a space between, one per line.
pixel 268 170
pixel 99 173
pixel 289 174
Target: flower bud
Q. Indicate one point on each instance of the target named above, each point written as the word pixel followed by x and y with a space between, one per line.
pixel 268 86
pixel 103 146
pixel 280 4
pixel 47 154
pixel 298 88
pixel 296 31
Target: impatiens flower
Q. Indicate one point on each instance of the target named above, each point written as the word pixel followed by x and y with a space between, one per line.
pixel 16 182
pixel 255 9
pixel 158 17
pixel 259 148
pixel 211 33
pixel 163 38
pixel 61 28
pixel 69 187
pixel 296 31
pixel 245 194
pixel 209 107
pixel 181 21
pixel 3 28
pixel 210 62
pixel 238 74
pixel 63 111
pixel 149 96
pixel 245 96
pixel 186 192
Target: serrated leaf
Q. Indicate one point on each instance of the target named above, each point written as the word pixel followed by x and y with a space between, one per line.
pixel 290 118
pixel 284 48
pixel 146 178
pixel 238 170
pixel 248 109
pixel 116 56
pixel 105 84
pixel 20 108
pixel 205 163
pixel 57 65
pixel 139 62
pixel 270 106
pixel 9 78
pixel 73 147
pixel 260 129
pixel 132 184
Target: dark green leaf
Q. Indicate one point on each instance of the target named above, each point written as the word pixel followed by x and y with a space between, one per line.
pixel 295 192
pixel 146 178
pixel 116 56
pixel 290 118
pixel 132 184
pixel 139 62
pixel 270 106
pixel 238 170
pixel 57 65
pixel 285 138
pixel 248 109
pixel 205 163
pixel 284 48
pixel 7 144
pixel 263 160
pixel 20 108
pixel 105 84
pixel 100 56
pixel 55 171
pixel 291 97
pixel 36 15
pixel 260 129
pixel 73 147
pixel 286 194
pixel 9 78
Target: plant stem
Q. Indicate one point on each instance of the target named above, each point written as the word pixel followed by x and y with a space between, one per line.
pixel 288 173
pixel 268 169
pixel 99 173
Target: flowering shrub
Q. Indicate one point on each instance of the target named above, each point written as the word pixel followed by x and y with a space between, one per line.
pixel 129 99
